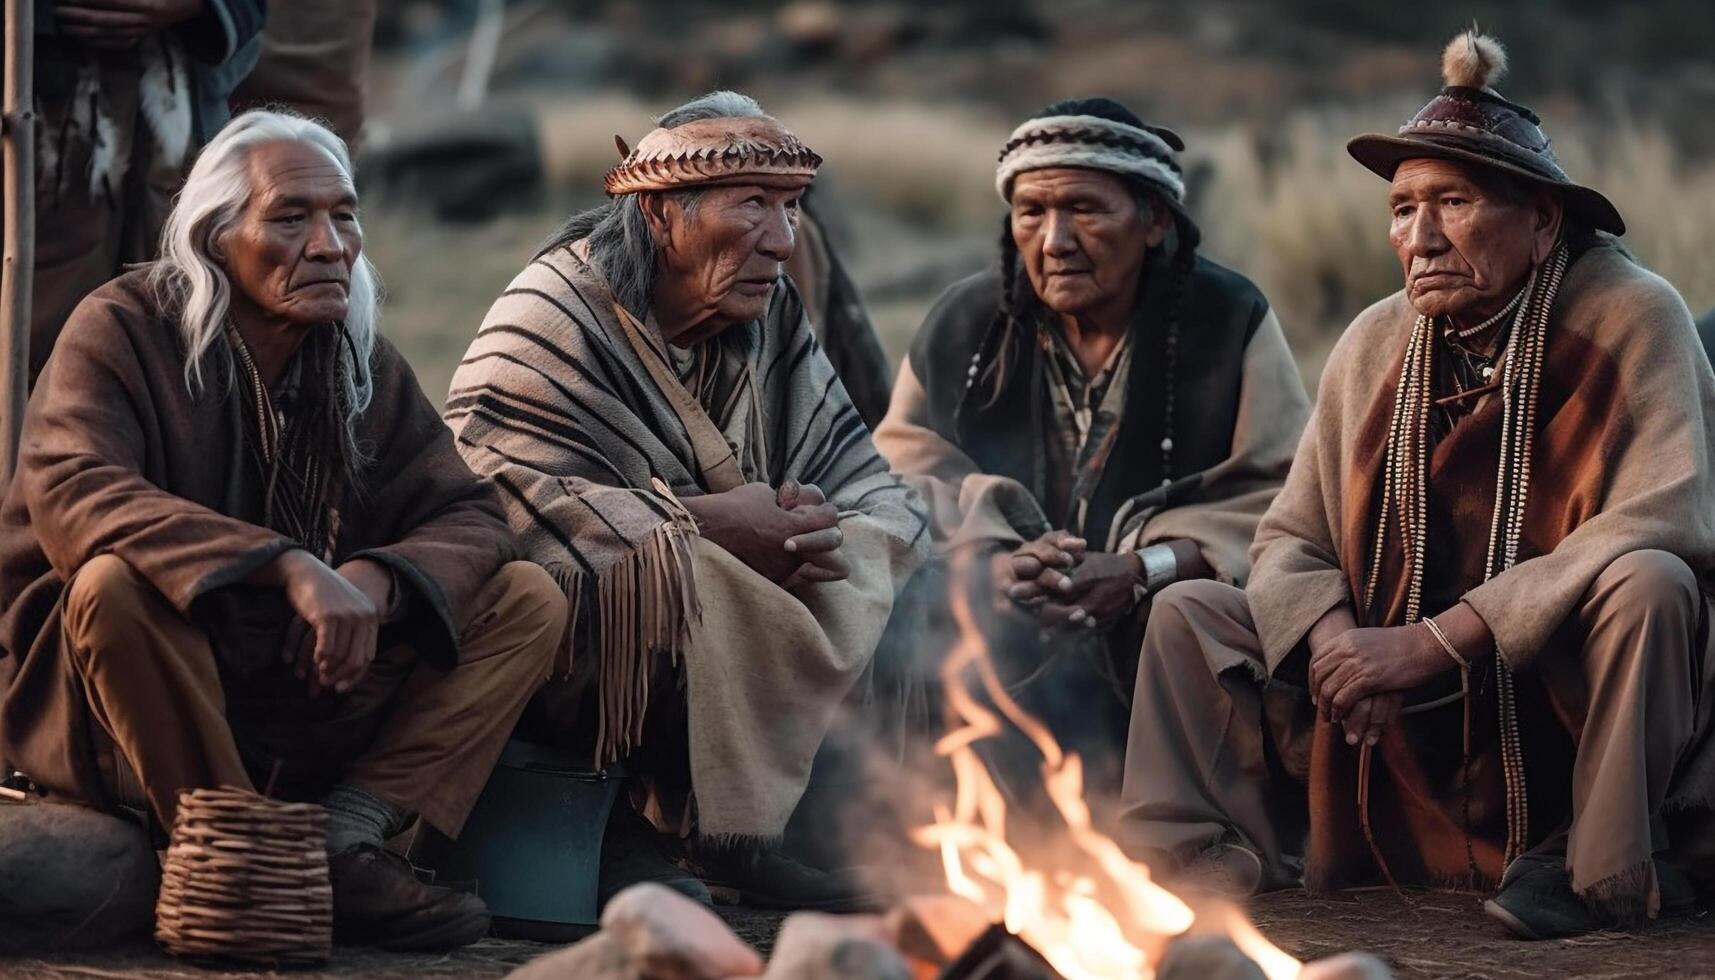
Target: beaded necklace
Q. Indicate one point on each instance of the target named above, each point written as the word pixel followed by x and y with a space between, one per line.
pixel 1469 332
pixel 1405 492
pixel 297 454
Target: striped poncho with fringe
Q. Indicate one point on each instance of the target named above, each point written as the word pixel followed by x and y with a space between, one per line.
pixel 555 404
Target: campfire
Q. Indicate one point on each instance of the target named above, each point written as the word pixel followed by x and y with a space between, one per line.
pixel 1061 914
pixel 1091 913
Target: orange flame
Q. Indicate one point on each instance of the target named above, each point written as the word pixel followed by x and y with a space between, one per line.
pixel 1058 914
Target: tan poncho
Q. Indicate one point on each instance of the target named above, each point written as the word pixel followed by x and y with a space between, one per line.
pixel 590 428
pixel 1622 463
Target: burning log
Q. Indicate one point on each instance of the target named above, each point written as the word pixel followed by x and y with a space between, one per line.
pixel 999 955
pixel 935 929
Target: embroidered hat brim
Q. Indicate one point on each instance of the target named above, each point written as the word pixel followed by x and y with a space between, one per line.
pixel 1382 155
pixel 1469 122
pixel 709 152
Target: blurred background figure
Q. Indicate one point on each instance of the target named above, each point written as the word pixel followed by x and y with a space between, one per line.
pixel 314 58
pixel 126 91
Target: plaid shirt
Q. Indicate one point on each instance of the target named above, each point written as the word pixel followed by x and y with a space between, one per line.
pixel 1085 414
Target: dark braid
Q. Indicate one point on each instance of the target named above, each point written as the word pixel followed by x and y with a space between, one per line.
pixel 1004 338
pixel 1184 262
pixel 991 360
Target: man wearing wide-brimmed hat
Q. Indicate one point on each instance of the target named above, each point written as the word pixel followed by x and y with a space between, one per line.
pixel 1476 632
pixel 1102 413
pixel 673 445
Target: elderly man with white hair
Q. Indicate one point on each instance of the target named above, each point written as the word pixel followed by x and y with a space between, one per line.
pixel 240 547
pixel 675 447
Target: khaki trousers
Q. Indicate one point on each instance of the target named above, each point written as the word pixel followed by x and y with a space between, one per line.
pixel 1215 754
pixel 418 736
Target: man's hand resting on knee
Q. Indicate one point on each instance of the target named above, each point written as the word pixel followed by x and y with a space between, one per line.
pixel 790 536
pixel 332 638
pixel 1359 675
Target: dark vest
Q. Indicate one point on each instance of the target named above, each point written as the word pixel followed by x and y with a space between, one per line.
pixel 1005 436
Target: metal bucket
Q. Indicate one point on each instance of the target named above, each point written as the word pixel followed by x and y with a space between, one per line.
pixel 531 847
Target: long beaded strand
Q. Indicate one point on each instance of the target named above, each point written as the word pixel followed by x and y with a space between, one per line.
pixel 1405 490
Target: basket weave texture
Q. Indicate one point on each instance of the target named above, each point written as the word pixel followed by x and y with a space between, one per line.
pixel 246 878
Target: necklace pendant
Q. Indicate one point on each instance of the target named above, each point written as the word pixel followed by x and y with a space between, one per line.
pixel 1488 371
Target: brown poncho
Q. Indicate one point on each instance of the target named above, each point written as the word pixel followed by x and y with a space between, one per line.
pixel 119 458
pixel 1622 463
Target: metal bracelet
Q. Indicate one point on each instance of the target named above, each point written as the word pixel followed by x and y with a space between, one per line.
pixel 1160 567
pixel 1446 644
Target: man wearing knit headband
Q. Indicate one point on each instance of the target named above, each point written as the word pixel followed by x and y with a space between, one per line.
pixel 1103 414
pixel 1474 652
pixel 675 448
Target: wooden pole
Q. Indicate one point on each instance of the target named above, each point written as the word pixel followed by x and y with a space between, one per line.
pixel 18 131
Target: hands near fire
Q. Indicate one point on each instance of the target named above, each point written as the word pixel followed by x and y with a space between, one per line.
pixel 1065 584
pixel 790 536
pixel 120 23
pixel 1359 676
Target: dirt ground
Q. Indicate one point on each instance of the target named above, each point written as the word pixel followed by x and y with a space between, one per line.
pixel 1422 935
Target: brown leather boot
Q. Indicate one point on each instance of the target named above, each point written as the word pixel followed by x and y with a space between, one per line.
pixel 377 901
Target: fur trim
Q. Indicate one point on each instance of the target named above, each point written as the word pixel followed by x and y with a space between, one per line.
pixel 165 100
pixel 108 160
pixel 1473 60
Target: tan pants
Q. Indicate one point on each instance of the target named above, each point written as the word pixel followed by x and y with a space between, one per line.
pixel 1214 754
pixel 418 736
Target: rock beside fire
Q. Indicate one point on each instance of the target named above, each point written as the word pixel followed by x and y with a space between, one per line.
pixel 599 957
pixel 671 937
pixel 815 946
pixel 1206 958
pixel 650 932
pixel 1209 957
pixel 1347 966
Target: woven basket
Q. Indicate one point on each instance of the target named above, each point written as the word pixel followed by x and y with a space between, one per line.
pixel 246 878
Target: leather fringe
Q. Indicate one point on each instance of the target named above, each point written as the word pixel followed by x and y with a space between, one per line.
pixel 643 606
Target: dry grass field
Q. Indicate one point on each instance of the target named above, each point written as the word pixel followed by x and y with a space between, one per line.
pixel 914 188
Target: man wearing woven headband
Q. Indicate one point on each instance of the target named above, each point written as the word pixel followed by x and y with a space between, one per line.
pixel 1475 642
pixel 240 549
pixel 1105 413
pixel 675 448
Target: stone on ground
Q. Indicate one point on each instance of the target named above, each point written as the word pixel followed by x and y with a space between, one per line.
pixel 1206 958
pixel 598 957
pixel 73 878
pixel 817 946
pixel 667 936
pixel 1347 966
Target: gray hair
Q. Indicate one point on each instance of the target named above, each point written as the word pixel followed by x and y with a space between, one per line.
pixel 619 240
pixel 189 278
